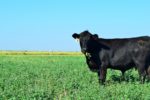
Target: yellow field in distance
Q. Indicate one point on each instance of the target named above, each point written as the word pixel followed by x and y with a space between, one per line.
pixel 38 53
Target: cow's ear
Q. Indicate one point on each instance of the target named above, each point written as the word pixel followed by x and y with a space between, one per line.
pixel 95 36
pixel 76 36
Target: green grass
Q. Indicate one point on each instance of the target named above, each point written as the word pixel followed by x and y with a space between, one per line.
pixel 30 77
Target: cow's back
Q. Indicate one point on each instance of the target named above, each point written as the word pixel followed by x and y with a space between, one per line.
pixel 123 52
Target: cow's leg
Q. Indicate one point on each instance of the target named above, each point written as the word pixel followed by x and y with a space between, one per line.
pixel 142 73
pixel 123 76
pixel 102 75
pixel 148 72
pixel 98 73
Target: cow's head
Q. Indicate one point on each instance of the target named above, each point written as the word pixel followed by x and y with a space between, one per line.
pixel 88 41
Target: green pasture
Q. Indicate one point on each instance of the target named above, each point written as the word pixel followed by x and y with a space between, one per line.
pixel 63 77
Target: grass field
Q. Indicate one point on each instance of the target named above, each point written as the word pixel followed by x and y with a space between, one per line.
pixel 38 77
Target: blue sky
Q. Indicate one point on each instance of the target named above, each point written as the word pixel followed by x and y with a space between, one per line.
pixel 49 24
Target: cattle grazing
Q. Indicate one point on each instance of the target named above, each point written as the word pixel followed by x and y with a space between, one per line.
pixel 120 54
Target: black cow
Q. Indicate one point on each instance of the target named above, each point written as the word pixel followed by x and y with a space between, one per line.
pixel 121 54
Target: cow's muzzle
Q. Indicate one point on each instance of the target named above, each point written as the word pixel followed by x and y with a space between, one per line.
pixel 84 50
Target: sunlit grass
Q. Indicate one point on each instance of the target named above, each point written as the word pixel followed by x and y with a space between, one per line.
pixel 64 77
